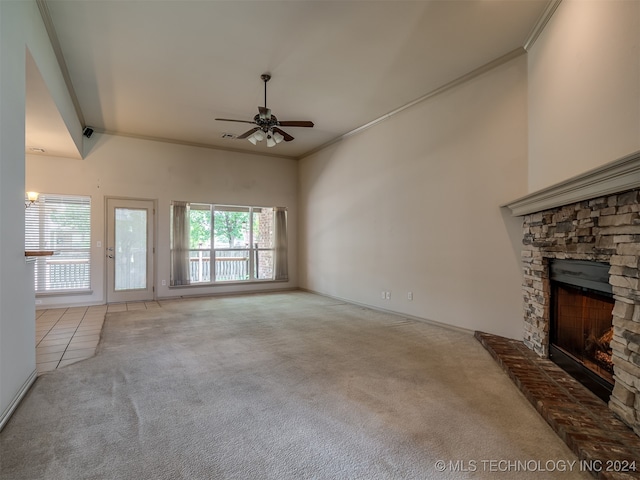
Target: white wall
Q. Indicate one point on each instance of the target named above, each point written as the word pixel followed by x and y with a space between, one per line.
pixel 116 166
pixel 584 89
pixel 16 324
pixel 412 204
pixel 21 29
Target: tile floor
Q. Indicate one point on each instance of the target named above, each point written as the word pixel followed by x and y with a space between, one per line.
pixel 68 335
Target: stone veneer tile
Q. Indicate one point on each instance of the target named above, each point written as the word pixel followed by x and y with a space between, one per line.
pixel 607 230
pixel 581 419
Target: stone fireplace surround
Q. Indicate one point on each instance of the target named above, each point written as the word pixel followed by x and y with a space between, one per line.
pixel 595 217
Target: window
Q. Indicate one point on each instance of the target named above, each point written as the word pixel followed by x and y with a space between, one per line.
pixel 218 243
pixel 61 223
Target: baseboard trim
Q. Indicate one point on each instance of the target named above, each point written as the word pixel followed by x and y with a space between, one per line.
pixel 435 323
pixel 6 415
pixel 226 294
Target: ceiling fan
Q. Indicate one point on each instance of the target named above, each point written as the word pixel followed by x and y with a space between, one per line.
pixel 267 123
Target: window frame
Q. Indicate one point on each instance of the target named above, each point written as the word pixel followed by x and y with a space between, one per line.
pixel 252 252
pixel 39 234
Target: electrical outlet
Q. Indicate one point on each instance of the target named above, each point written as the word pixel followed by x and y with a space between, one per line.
pixel 410 296
pixel 164 282
pixel 383 295
pixel 388 295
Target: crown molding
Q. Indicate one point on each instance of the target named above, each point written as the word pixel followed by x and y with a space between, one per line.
pixel 614 177
pixel 447 86
pixel 192 144
pixel 57 49
pixel 541 23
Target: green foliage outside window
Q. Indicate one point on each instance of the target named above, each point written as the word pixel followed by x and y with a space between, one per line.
pixel 230 226
pixel 200 229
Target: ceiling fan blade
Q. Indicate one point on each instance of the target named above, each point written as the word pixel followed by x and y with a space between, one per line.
pixel 231 120
pixel 265 113
pixel 246 134
pixel 287 137
pixel 296 124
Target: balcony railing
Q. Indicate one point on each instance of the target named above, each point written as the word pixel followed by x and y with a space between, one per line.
pixel 61 274
pixel 228 268
pixel 231 265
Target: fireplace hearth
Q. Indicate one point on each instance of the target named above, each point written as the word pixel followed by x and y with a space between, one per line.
pixel 582 420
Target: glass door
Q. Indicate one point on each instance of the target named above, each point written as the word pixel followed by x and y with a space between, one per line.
pixel 129 252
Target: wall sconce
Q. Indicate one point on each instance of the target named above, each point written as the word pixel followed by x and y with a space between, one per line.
pixel 32 197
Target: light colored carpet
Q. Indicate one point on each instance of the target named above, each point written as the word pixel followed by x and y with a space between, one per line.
pixel 278 386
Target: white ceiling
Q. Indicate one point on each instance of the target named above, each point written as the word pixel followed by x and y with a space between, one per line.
pixel 166 69
pixel 45 127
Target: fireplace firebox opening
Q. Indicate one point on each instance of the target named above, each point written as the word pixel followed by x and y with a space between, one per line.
pixel 581 323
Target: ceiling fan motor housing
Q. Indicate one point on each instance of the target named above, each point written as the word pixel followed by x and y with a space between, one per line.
pixel 266 123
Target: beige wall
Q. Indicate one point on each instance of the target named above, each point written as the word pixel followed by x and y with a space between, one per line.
pixel 116 166
pixel 584 89
pixel 412 204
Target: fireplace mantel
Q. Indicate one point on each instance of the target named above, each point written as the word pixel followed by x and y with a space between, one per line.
pixel 615 177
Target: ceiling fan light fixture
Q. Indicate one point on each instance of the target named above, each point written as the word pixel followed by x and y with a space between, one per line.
pixel 270 140
pixel 277 137
pixel 256 137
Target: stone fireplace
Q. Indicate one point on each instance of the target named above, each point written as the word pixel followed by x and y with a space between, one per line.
pixel 605 229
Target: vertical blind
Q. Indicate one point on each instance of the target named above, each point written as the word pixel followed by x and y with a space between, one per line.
pixel 61 223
